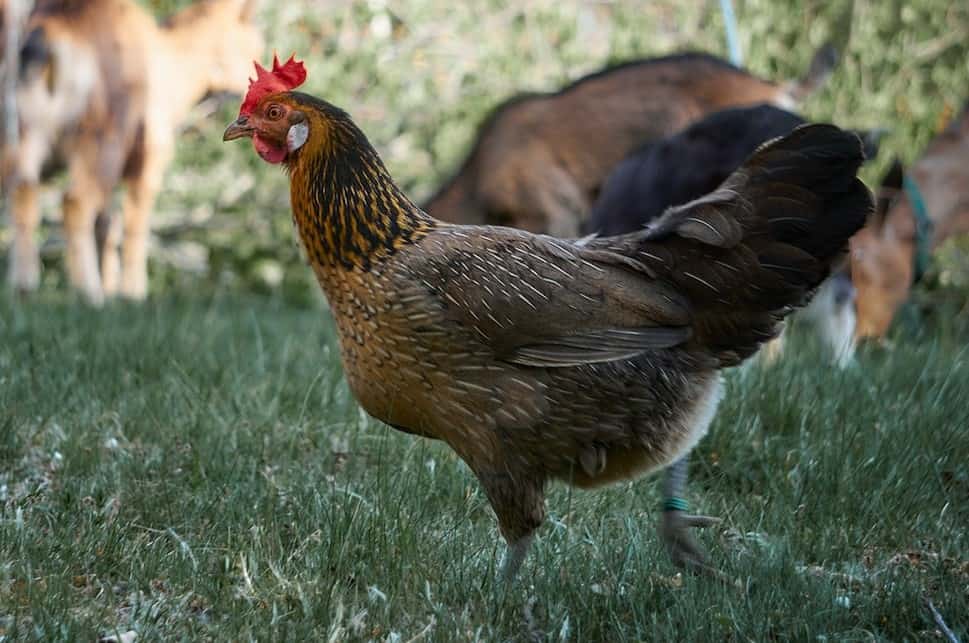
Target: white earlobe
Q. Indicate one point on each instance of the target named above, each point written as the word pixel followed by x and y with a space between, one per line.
pixel 296 136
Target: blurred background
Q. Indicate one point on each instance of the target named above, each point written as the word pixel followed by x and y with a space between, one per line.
pixel 419 76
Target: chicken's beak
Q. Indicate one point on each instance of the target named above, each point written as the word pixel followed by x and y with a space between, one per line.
pixel 238 129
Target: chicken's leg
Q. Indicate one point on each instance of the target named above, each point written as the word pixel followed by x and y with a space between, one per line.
pixel 514 556
pixel 676 522
pixel 519 504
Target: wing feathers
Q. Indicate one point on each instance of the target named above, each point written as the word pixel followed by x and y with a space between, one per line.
pixel 597 346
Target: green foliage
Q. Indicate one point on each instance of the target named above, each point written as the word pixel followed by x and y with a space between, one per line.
pixel 419 76
pixel 196 469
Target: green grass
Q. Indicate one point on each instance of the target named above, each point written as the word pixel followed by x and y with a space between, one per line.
pixel 196 468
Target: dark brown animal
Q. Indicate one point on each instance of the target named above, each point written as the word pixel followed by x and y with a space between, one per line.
pixel 540 359
pixel 539 159
pixel 102 90
pixel 885 253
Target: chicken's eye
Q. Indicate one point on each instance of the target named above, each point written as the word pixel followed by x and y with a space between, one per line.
pixel 275 112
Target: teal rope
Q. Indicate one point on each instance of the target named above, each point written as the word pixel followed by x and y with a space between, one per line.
pixel 733 39
pixel 923 227
pixel 675 504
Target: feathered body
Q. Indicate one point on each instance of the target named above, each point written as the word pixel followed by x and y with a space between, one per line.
pixel 536 358
pixel 433 304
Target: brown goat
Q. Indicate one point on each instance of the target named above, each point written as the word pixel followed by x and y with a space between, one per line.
pixel 102 89
pixel 539 159
pixel 884 253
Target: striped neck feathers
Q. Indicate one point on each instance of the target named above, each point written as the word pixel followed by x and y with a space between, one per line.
pixel 347 208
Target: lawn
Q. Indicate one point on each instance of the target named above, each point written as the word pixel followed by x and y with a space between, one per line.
pixel 195 468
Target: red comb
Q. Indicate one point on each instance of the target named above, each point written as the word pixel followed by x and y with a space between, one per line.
pixel 282 78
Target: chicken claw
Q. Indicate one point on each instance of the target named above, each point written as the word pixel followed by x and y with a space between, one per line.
pixel 685 552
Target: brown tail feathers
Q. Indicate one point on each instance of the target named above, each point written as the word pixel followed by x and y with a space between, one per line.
pixel 749 253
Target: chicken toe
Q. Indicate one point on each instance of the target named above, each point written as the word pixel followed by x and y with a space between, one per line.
pixel 683 550
pixel 676 522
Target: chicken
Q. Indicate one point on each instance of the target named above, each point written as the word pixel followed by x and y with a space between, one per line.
pixel 540 359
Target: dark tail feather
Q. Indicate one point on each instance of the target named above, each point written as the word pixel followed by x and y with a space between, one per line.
pixel 750 253
pixel 813 171
pixel 805 187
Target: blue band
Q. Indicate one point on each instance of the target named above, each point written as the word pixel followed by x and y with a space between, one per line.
pixel 923 227
pixel 675 504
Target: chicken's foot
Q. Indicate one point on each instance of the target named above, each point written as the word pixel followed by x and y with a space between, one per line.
pixel 676 522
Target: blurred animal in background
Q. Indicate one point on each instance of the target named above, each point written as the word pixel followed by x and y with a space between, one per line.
pixel 695 161
pixel 918 209
pixel 101 91
pixel 539 159
pixel 540 359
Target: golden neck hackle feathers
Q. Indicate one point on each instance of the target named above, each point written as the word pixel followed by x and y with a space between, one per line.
pixel 349 212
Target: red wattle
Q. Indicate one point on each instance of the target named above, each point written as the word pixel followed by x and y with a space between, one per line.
pixel 269 153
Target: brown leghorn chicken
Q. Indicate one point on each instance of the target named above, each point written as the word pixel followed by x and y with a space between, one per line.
pixel 537 358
